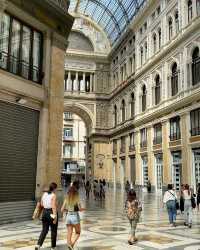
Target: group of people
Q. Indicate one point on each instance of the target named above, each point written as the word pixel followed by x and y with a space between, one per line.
pixel 99 189
pixel 70 210
pixel 186 205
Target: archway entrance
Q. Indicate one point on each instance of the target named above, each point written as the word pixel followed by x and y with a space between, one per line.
pixel 76 147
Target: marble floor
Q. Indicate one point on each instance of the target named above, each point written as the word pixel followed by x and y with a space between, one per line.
pixel 105 227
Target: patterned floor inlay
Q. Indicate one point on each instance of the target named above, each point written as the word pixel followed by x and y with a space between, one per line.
pixel 105 227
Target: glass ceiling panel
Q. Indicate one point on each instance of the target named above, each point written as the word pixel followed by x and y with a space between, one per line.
pixel 112 15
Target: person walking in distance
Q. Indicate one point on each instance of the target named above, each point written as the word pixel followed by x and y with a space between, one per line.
pixel 88 189
pixel 198 196
pixel 133 210
pixel 72 206
pixel 170 199
pixel 49 217
pixel 187 195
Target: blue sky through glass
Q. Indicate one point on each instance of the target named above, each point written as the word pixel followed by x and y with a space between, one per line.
pixel 112 15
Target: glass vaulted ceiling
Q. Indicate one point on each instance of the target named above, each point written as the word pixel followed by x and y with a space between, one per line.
pixel 112 15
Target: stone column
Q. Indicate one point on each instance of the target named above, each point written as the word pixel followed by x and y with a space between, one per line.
pixel 77 83
pixel 95 82
pixel 41 178
pixel 55 109
pixel 185 134
pixel 69 82
pixel 167 178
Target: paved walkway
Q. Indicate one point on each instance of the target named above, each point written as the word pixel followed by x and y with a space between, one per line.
pixel 105 227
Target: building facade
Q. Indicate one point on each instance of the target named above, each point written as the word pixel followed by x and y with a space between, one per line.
pixel 74 148
pixel 33 40
pixel 140 97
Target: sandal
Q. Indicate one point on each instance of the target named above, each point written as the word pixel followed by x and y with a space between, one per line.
pixel 130 242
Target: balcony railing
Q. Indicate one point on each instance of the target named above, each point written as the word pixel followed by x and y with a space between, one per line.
pixel 131 148
pixel 175 137
pixel 62 4
pixel 68 138
pixel 195 131
pixel 13 65
pixel 157 140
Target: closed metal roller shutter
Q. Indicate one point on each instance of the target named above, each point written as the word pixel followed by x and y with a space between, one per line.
pixel 18 153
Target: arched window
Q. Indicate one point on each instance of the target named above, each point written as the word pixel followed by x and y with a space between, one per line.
pixel 174 80
pixel 157 89
pixel 123 108
pixel 177 21
pixel 145 51
pixel 141 55
pixel 115 115
pixel 198 7
pixel 133 63
pixel 132 105
pixel 195 66
pixel 154 43
pixel 159 38
pixel 190 14
pixel 144 98
pixel 170 26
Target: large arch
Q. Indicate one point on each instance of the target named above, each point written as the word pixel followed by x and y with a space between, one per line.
pixel 85 114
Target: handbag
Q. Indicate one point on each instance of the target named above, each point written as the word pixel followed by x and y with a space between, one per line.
pixel 193 202
pixel 37 214
pixel 177 203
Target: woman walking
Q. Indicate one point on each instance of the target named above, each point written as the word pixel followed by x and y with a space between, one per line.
pixel 49 217
pixel 170 199
pixel 187 195
pixel 133 210
pixel 72 206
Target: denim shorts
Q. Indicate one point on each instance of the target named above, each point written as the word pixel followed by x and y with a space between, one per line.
pixel 72 218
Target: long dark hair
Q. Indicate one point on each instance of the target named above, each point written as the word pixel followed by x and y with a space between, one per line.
pixel 131 195
pixel 187 187
pixel 52 187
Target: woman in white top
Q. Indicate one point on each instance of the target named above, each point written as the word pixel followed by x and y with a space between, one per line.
pixel 169 199
pixel 49 217
pixel 187 195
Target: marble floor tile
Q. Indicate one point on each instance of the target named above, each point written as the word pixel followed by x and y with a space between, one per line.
pixel 105 227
